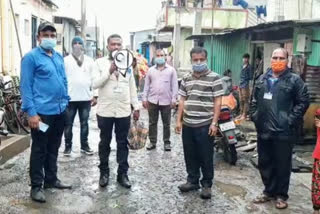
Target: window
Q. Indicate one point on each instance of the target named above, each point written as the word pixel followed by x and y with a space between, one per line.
pixel 34 32
pixel 57 20
pixel 26 27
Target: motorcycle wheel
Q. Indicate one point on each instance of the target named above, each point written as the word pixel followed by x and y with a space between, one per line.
pixel 230 154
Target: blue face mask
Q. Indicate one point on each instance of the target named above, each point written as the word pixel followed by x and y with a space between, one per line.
pixel 160 61
pixel 48 43
pixel 200 67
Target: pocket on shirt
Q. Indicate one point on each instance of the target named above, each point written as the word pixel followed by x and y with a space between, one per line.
pixel 44 74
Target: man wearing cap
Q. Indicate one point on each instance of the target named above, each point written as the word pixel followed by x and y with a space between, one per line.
pixel 279 103
pixel 45 97
pixel 117 93
pixel 79 70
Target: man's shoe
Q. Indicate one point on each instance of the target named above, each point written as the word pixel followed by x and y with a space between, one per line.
pixel 37 195
pixel 123 180
pixel 57 185
pixel 167 147
pixel 104 180
pixel 67 151
pixel 151 146
pixel 87 151
pixel 205 193
pixel 187 187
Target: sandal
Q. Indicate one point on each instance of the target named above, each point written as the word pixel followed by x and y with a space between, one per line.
pixel 281 204
pixel 262 199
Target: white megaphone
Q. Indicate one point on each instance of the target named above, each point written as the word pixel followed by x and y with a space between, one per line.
pixel 123 59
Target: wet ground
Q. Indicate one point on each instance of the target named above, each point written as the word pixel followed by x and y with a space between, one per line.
pixel 155 176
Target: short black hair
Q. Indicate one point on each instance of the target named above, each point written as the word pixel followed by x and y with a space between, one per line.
pixel 246 56
pixel 227 72
pixel 259 57
pixel 198 50
pixel 113 36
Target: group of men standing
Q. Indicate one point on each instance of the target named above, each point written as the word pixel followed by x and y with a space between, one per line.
pixel 55 89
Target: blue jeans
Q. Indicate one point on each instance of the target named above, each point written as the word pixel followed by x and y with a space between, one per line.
pixel 83 108
pixel 198 154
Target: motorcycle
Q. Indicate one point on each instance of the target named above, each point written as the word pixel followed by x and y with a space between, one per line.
pixel 226 138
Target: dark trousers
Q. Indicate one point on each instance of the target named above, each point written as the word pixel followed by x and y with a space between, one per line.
pixel 153 111
pixel 44 150
pixel 198 154
pixel 274 163
pixel 122 126
pixel 83 108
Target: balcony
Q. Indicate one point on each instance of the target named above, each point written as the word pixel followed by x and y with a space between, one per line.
pixel 224 18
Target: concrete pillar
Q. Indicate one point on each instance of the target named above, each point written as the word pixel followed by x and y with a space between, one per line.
pixel 176 39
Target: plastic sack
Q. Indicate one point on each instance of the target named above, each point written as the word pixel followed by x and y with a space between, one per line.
pixel 138 134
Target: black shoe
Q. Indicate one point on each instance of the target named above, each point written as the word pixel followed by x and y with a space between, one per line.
pixel 205 193
pixel 37 195
pixel 167 147
pixel 151 146
pixel 67 151
pixel 123 180
pixel 87 150
pixel 57 185
pixel 187 187
pixel 104 180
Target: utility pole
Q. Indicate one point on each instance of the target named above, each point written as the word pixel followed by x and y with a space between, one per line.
pixel 212 30
pixel 177 35
pixel 83 20
pixel 198 20
pixel 97 42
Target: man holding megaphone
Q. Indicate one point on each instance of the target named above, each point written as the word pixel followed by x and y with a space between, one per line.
pixel 116 93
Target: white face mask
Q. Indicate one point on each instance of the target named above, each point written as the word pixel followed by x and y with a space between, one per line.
pixel 77 50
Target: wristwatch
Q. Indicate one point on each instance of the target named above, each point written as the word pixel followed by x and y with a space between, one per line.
pixel 214 124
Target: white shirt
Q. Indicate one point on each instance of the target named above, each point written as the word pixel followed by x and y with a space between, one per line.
pixel 115 96
pixel 80 79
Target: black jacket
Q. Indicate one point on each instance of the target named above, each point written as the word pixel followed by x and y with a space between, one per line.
pixel 285 111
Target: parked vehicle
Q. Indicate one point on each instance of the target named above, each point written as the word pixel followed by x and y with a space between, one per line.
pixel 226 138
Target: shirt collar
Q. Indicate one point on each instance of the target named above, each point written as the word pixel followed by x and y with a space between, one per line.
pixel 44 52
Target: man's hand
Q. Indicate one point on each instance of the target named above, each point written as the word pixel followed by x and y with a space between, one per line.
pixel 136 115
pixel 145 104
pixel 112 68
pixel 173 105
pixel 34 122
pixel 178 127
pixel 213 130
pixel 94 101
pixel 317 123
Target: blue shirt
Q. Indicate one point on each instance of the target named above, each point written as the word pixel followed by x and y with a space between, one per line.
pixel 245 76
pixel 43 87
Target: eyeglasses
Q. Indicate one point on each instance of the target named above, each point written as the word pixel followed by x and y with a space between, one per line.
pixel 278 58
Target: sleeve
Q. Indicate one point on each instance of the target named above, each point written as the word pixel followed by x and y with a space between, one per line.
pixel 26 85
pixel 174 85
pixel 217 87
pixel 183 89
pixel 301 102
pixel 100 78
pixel 133 93
pixel 254 104
pixel 146 86
pixel 65 80
pixel 93 69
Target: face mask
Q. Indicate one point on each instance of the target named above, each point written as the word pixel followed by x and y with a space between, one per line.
pixel 77 51
pixel 200 67
pixel 278 66
pixel 160 61
pixel 48 43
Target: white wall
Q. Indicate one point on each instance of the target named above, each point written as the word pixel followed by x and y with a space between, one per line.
pixel 24 10
pixel 309 9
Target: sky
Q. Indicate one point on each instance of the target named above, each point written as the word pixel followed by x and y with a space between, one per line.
pixel 115 16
